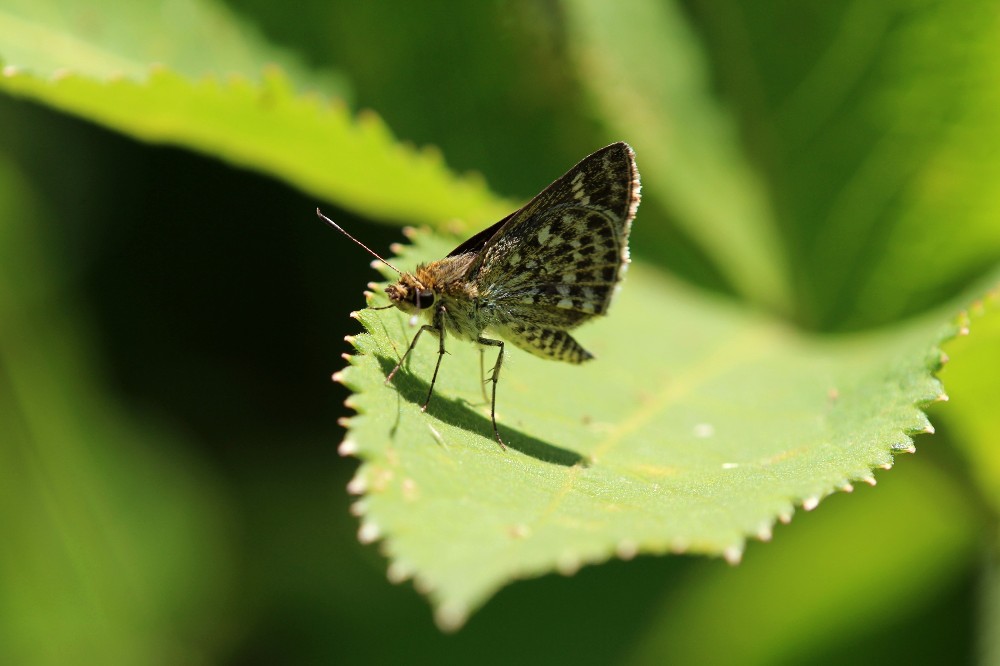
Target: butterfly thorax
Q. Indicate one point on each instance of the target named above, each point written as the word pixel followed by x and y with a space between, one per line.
pixel 441 289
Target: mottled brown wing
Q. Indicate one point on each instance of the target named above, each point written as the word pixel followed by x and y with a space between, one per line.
pixel 557 260
pixel 477 242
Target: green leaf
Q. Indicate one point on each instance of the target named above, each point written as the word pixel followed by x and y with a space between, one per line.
pixel 315 145
pixel 875 129
pixel 972 422
pixel 103 39
pixel 687 142
pixel 254 118
pixel 699 424
pixel 971 418
pixel 853 141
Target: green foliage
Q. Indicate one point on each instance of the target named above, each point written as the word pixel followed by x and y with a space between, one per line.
pixel 972 415
pixel 691 159
pixel 859 136
pixel 716 429
pixel 973 418
pixel 252 118
pixel 104 40
pixel 753 625
pixel 832 166
pixel 315 145
pixel 89 495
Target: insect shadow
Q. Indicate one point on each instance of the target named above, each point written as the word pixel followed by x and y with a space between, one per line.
pixel 458 413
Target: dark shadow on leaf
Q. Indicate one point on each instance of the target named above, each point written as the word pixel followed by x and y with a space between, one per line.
pixel 457 412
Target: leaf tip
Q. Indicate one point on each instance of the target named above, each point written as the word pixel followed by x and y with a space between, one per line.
pixel 733 554
pixel 422 585
pixel 568 564
pixel 348 447
pixel 810 503
pixel 432 154
pixel 627 549
pixel 359 508
pixel 369 119
pixel 369 532
pixel 765 532
pixel 357 485
pixel 399 572
pixel 450 616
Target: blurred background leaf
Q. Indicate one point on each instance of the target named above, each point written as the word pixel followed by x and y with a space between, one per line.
pixel 693 163
pixel 102 39
pixel 202 334
pixel 874 125
pixel 974 384
pixel 116 545
pixel 315 145
pixel 817 601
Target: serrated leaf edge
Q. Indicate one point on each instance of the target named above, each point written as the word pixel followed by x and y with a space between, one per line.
pixel 450 615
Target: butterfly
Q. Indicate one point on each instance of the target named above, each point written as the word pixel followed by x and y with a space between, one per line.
pixel 533 276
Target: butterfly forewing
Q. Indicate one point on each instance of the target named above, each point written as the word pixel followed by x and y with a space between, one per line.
pixel 558 259
pixel 569 259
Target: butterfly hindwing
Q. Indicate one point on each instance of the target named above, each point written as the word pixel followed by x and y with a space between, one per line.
pixel 546 342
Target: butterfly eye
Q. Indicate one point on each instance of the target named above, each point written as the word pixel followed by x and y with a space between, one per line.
pixel 425 299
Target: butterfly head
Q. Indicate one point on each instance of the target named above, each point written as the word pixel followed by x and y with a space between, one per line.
pixel 410 295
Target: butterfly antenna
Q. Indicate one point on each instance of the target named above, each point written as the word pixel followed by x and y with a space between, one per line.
pixel 341 230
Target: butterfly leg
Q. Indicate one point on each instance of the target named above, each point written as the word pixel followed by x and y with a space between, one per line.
pixel 413 343
pixel 494 377
pixel 437 326
pixel 482 373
